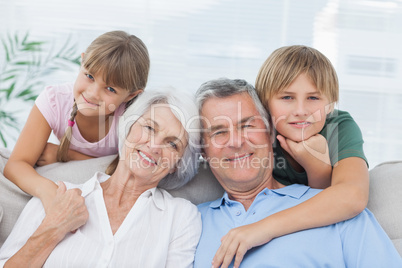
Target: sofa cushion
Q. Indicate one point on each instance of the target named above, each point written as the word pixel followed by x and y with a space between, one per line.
pixel 1 213
pixel 386 199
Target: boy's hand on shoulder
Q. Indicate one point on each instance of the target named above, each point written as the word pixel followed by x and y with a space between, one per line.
pixel 49 155
pixel 308 151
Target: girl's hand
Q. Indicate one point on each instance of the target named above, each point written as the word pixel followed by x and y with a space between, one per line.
pixel 236 243
pixel 49 155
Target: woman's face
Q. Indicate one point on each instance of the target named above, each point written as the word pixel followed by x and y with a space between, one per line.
pixel 155 143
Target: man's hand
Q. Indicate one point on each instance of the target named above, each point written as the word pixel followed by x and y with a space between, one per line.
pixel 236 243
pixel 49 155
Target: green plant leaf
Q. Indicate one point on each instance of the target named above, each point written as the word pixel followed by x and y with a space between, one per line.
pixel 2 139
pixel 6 49
pixel 9 78
pixel 9 91
pixel 27 64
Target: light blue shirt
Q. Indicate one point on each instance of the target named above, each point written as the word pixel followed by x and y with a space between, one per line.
pixel 358 242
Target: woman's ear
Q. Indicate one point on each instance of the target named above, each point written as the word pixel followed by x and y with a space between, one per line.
pixel 173 170
pixel 133 95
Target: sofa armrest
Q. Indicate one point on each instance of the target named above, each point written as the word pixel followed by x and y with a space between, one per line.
pixel 385 200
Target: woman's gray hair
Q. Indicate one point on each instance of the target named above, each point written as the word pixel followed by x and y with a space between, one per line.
pixel 183 107
pixel 224 87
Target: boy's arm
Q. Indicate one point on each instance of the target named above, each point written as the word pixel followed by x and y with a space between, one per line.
pixel 313 155
pixel 345 198
pixel 30 144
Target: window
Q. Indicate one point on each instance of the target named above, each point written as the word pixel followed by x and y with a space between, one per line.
pixel 194 41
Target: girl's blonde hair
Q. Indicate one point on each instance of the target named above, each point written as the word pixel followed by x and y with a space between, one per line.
pixel 123 61
pixel 285 64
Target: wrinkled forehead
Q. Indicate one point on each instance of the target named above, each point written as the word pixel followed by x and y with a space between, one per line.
pixel 233 110
pixel 164 117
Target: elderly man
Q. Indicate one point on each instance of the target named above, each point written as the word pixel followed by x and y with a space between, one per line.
pixel 238 148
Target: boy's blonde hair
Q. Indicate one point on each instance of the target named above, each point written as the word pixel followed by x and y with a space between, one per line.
pixel 123 61
pixel 285 64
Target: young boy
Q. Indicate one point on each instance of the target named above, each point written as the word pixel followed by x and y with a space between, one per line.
pixel 299 87
pixel 316 145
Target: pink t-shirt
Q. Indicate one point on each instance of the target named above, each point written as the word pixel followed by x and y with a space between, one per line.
pixel 56 103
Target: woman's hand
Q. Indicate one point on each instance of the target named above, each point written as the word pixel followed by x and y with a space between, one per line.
pixel 66 214
pixel 49 155
pixel 68 211
pixel 237 242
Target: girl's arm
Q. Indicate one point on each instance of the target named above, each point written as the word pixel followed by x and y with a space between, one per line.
pixel 66 213
pixel 49 155
pixel 30 145
pixel 345 198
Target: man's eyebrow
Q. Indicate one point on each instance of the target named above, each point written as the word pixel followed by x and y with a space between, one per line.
pixel 248 119
pixel 216 127
pixel 242 121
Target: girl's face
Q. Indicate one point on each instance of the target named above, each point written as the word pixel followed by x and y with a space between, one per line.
pixel 154 145
pixel 299 111
pixel 95 98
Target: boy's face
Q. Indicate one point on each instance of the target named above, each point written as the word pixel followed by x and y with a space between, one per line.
pixel 299 111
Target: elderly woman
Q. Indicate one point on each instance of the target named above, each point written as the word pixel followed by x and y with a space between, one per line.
pixel 122 220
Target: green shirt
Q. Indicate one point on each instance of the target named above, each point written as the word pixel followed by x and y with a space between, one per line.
pixel 344 140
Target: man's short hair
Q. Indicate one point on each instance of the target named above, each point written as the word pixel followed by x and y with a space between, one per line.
pixel 224 87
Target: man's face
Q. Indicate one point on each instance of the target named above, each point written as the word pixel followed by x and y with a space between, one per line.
pixel 236 142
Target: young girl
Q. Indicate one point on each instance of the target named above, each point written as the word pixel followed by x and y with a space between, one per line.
pixel 316 145
pixel 83 116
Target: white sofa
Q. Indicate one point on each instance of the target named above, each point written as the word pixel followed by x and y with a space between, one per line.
pixel 385 191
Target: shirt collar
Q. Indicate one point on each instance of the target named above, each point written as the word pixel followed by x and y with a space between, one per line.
pixel 99 177
pixel 157 197
pixel 90 185
pixel 295 191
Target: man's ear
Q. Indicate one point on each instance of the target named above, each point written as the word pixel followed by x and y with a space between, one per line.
pixel 133 95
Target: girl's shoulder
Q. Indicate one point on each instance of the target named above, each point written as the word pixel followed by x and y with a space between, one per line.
pixel 60 89
pixel 55 95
